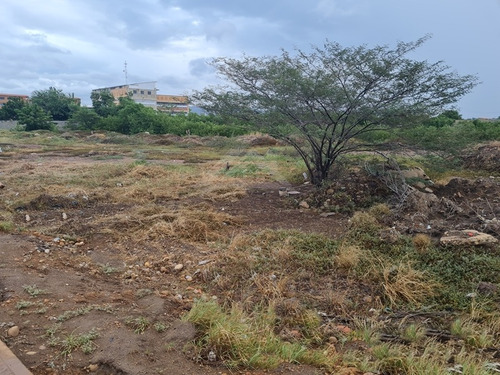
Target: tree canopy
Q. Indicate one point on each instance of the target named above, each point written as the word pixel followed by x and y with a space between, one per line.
pixel 53 101
pixel 35 117
pixel 9 111
pixel 319 102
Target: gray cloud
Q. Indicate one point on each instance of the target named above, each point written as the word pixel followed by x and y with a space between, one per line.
pixel 79 45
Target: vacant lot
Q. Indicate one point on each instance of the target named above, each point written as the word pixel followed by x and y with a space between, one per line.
pixel 168 255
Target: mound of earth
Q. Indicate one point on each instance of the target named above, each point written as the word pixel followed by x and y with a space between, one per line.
pixel 484 157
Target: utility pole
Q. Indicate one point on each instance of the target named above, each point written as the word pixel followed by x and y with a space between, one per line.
pixel 126 73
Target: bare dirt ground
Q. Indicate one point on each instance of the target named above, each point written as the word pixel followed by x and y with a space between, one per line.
pixel 131 292
pixel 55 287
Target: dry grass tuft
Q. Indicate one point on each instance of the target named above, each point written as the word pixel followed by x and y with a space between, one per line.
pixel 403 283
pixel 348 257
pixel 199 224
pixel 422 242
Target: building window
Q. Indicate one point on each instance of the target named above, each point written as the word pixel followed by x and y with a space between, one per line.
pixel 149 92
pixel 135 91
pixel 142 92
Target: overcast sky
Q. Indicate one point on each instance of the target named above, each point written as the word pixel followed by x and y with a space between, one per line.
pixel 79 45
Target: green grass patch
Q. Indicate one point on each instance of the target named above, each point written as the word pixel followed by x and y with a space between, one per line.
pixel 248 340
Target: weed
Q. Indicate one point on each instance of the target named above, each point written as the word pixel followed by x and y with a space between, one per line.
pixel 33 290
pixel 69 314
pixel 83 341
pixel 74 313
pixel 139 324
pixel 24 304
pixel 159 327
pixel 6 226
pixel 108 269
pixel 413 333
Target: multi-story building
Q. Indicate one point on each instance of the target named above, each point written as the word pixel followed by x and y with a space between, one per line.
pixel 146 93
pixel 172 103
pixel 4 98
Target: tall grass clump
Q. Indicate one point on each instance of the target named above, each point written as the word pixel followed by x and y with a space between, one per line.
pixel 247 340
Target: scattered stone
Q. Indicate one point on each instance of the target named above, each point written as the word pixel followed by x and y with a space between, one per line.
pixel 13 331
pixel 30 353
pixel 1 185
pixel 189 278
pixel 304 204
pixel 81 243
pixel 27 218
pixel 64 216
pixel 203 262
pixel 211 356
pixel 344 329
pixel 327 214
pixel 93 367
pixel 467 237
pixel 178 267
pixel 163 269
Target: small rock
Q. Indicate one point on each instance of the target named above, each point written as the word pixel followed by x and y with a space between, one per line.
pixel 1 185
pixel 368 299
pixel 27 218
pixel 211 356
pixel 467 237
pixel 163 269
pixel 81 243
pixel 304 204
pixel 64 216
pixel 30 353
pixel 344 329
pixel 93 367
pixel 327 214
pixel 13 331
pixel 178 267
pixel 189 278
pixel 147 264
pixel 333 340
pixel 283 192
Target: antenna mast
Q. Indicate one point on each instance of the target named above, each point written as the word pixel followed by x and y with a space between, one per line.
pixel 126 72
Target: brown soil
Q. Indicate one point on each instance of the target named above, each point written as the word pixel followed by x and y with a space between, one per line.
pixel 119 282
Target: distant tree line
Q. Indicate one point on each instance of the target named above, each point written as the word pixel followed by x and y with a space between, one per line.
pixel 126 117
